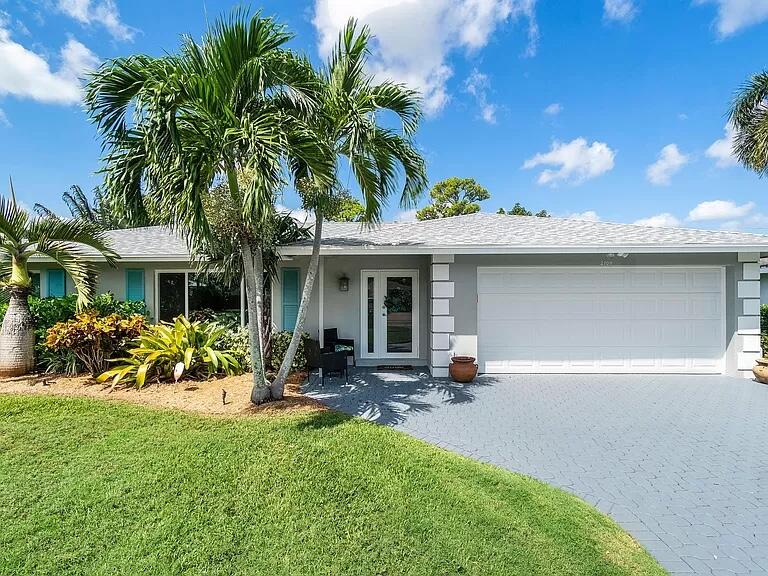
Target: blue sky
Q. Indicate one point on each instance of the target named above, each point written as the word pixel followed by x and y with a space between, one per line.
pixel 610 109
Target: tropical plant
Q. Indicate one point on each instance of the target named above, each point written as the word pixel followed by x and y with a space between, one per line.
pixel 23 236
pixel 94 339
pixel 174 126
pixel 453 197
pixel 102 210
pixel 350 123
pixel 520 210
pixel 280 343
pixel 749 117
pixel 161 347
pixel 235 340
pixel 346 208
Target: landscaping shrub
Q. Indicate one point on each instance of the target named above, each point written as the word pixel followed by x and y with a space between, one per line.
pixel 764 328
pixel 237 341
pixel 93 339
pixel 280 342
pixel 227 318
pixel 159 348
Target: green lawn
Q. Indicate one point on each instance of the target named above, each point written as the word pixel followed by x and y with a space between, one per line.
pixel 89 487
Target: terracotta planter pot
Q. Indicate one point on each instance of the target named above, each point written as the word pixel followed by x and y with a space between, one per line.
pixel 760 370
pixel 462 369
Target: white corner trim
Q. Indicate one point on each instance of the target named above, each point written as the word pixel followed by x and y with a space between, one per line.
pixel 747 360
pixel 442 258
pixel 751 271
pixel 751 307
pixel 749 256
pixel 748 289
pixel 440 306
pixel 441 341
pixel 750 342
pixel 440 272
pixel 442 324
pixel 749 324
pixel 445 289
pixel 439 372
pixel 441 358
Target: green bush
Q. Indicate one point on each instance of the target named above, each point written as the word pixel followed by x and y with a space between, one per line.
pixel 280 342
pixel 764 328
pixel 161 347
pixel 236 340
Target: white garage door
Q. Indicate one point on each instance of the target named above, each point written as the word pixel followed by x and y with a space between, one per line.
pixel 600 319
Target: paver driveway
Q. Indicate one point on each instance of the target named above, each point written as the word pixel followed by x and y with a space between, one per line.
pixel 681 462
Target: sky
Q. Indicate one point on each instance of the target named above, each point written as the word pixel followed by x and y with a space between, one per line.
pixel 596 109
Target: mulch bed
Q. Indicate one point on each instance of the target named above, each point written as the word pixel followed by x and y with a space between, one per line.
pixel 204 397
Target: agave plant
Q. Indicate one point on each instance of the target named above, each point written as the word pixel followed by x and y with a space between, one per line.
pixel 160 348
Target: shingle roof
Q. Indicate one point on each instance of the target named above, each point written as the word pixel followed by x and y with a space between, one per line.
pixel 526 233
pixel 148 243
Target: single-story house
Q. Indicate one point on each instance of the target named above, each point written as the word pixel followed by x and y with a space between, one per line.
pixel 522 294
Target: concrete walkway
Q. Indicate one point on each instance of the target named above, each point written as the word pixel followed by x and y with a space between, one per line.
pixel 681 462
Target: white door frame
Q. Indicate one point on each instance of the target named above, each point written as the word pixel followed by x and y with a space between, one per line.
pixel 723 302
pixel 379 338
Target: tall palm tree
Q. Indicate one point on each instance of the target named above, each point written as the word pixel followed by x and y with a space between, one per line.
pixel 174 126
pixel 749 116
pixel 21 237
pixel 349 121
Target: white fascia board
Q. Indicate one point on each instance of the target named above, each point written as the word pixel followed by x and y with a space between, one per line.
pixel 122 259
pixel 465 249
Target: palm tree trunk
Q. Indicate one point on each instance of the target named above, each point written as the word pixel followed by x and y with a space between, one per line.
pixel 17 336
pixel 253 294
pixel 278 386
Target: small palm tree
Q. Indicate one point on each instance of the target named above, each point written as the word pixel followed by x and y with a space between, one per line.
pixel 349 122
pixel 21 237
pixel 749 116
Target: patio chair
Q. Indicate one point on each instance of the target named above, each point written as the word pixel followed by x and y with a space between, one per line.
pixel 326 361
pixel 335 344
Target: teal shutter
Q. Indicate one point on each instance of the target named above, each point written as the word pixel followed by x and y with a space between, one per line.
pixel 134 284
pixel 290 298
pixel 57 283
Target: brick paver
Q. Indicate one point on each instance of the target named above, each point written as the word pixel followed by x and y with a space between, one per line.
pixel 681 462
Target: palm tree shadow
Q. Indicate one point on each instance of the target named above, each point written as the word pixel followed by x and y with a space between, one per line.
pixel 389 397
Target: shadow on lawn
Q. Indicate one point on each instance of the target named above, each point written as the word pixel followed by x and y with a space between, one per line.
pixel 389 397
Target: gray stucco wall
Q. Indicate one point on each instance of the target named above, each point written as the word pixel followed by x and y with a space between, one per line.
pixel 464 275
pixel 342 309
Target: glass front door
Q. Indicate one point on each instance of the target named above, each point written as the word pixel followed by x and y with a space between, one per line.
pixel 390 304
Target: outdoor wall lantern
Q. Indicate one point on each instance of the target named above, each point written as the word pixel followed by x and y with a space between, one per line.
pixel 343 283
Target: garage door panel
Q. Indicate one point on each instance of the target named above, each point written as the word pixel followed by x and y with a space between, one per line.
pixel 600 320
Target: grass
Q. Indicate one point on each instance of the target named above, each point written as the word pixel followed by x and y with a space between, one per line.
pixel 90 487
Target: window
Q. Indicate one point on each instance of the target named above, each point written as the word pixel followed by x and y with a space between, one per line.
pixel 57 283
pixel 35 277
pixel 134 284
pixel 195 296
pixel 290 298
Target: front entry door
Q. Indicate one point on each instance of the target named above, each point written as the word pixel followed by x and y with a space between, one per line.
pixel 390 313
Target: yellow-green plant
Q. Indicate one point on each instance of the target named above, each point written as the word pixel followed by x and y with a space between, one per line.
pixel 161 347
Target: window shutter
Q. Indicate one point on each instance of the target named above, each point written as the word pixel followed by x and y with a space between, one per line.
pixel 57 283
pixel 134 284
pixel 290 298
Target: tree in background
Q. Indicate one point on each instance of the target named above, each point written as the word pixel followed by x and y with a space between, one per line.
pixel 23 236
pixel 346 208
pixel 520 210
pixel 453 197
pixel 749 116
pixel 175 125
pixel 102 211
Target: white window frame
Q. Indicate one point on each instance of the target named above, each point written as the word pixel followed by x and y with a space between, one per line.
pixel 187 272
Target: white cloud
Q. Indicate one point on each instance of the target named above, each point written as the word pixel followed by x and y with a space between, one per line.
pixel 670 161
pixel 105 12
pixel 477 85
pixel 719 210
pixel 588 216
pixel 664 220
pixel 4 119
pixel 577 161
pixel 619 10
pixel 553 109
pixel 721 151
pixel 25 74
pixel 415 38
pixel 406 216
pixel 297 213
pixel 734 15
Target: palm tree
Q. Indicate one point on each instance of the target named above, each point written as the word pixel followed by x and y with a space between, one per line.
pixel 749 116
pixel 21 237
pixel 349 122
pixel 176 125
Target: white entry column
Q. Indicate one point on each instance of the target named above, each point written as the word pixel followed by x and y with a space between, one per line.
pixel 441 320
pixel 748 310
